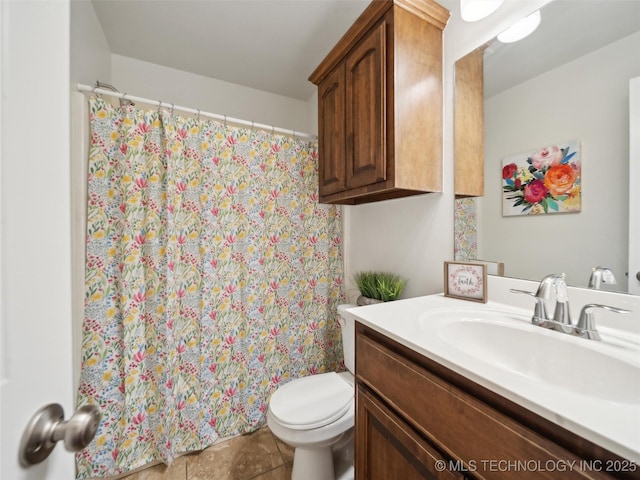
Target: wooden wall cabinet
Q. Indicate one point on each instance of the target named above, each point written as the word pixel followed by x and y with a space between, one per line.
pixel 418 419
pixel 380 105
pixel 469 125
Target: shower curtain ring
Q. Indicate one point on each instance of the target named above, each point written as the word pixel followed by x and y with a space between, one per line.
pixel 198 115
pixel 159 106
pixel 171 111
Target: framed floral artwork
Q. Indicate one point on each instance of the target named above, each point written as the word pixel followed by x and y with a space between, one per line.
pixel 545 181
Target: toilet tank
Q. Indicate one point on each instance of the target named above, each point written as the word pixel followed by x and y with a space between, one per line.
pixel 348 329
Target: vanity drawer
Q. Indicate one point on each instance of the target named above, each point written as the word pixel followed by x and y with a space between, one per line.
pixel 487 442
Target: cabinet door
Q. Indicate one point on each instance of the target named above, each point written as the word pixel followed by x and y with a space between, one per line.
pixel 331 138
pixel 386 447
pixel 366 110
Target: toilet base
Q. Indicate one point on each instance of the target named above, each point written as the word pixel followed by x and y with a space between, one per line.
pixel 330 462
pixel 313 464
pixel 343 468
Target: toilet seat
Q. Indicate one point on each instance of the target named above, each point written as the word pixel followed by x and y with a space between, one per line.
pixel 311 402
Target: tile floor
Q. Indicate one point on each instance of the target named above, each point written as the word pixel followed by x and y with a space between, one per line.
pixel 255 456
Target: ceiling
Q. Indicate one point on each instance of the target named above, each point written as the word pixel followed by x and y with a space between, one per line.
pixel 269 45
pixel 274 45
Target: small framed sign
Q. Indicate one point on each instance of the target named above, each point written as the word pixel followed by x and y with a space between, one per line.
pixel 465 280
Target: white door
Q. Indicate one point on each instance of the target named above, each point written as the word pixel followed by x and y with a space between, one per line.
pixel 35 253
pixel 634 182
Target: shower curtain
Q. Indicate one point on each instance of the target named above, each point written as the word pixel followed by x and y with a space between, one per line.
pixel 212 277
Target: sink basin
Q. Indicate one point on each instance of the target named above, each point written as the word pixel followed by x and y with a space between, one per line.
pixel 510 343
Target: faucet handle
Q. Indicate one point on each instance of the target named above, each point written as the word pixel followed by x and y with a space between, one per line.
pixel 540 311
pixel 561 314
pixel 586 326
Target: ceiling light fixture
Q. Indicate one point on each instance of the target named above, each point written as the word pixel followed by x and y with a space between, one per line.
pixel 521 29
pixel 473 10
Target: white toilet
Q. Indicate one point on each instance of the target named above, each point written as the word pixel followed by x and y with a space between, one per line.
pixel 315 415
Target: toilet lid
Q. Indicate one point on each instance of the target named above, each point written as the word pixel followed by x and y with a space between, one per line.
pixel 311 402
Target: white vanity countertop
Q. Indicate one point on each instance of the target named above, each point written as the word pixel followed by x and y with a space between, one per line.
pixel 612 424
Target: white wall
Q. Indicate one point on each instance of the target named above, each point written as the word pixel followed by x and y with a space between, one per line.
pixel 90 53
pixel 157 82
pixel 312 113
pixel 587 99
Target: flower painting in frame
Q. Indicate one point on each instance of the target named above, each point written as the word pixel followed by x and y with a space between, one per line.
pixel 545 181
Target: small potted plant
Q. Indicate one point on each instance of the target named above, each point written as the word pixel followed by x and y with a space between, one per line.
pixel 376 287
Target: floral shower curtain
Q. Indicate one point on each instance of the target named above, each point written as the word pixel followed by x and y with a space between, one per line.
pixel 212 277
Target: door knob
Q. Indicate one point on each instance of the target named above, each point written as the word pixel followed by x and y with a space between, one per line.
pixel 638 275
pixel 48 426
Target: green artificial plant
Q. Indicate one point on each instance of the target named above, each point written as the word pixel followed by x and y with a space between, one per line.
pixel 379 285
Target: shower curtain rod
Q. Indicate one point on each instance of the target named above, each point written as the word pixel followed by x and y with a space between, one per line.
pixel 125 96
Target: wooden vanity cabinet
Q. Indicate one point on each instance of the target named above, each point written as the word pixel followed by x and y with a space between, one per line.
pixel 414 417
pixel 380 105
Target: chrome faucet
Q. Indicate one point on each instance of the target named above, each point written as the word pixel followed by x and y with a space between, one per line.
pixel 600 275
pixel 561 321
